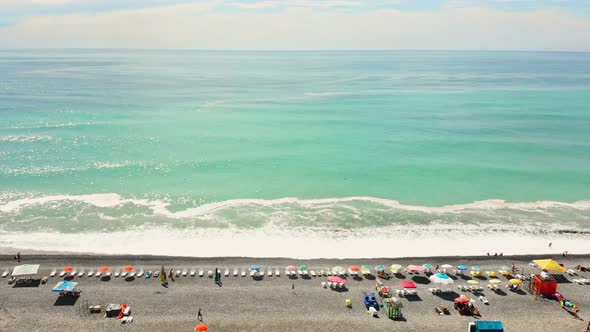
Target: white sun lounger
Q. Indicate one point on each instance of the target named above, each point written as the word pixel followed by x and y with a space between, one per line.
pixel 62 274
pixel 324 284
pixel 226 273
pixel 177 273
pixel 201 273
pixel 312 272
pixel 210 274
pixel 243 273
pixel 252 272
pixel 330 284
pixel 484 299
pixel 184 273
pixel 123 274
pixel 269 272
pixel 98 274
pixel 81 273
pixel 52 274
pixel 305 273
pixel 140 274
pixel 235 272
pixel 570 272
pixel 192 273
pixel 5 274
pixel 319 273
pixel 132 274
pixel 278 272
pixel 261 272
pixel 156 274
pixel 299 272
pixel 74 272
pixel 90 273
pixel 117 274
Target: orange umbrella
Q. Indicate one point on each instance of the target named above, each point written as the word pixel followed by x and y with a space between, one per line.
pixel 128 268
pixel 68 269
pixel 355 268
pixel 201 327
pixel 104 268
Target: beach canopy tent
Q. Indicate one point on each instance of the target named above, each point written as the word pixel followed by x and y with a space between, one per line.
pixel 64 286
pixel 25 270
pixel 544 287
pixel 549 265
pixel 488 326
pixel 441 278
pixel 336 279
pixel 407 284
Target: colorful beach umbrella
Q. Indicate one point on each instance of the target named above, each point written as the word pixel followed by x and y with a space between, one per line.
pixel 427 266
pixel 254 267
pixel 415 268
pixel 104 268
pixel 338 270
pixel 505 268
pixel 407 284
pixel 201 328
pixel 473 282
pixel 291 268
pixel 128 268
pixel 394 268
pixel 336 279
pixel 303 267
pixel 446 266
pixel 549 265
pixel 379 268
pixel 366 267
pixel 68 269
pixel 515 281
pixel 441 278
pixel 476 267
pixel 64 286
pixel 461 267
pixel 355 268
pixel 495 281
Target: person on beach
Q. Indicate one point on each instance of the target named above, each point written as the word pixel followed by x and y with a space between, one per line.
pixel 200 316
pixel 550 243
pixel 17 257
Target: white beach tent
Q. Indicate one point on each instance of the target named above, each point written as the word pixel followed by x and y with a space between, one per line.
pixel 25 270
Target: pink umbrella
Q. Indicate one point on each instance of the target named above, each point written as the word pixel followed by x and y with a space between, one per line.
pixel 415 268
pixel 291 268
pixel 407 284
pixel 337 280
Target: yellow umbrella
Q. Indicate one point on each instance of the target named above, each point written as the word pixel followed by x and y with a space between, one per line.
pixel 473 282
pixel 496 281
pixel 515 281
pixel 549 265
pixel 394 268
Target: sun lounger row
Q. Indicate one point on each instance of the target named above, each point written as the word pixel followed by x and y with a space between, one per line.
pixel 470 288
pixel 332 285
pixel 437 290
pixel 493 287
pixel 582 281
pixel 406 292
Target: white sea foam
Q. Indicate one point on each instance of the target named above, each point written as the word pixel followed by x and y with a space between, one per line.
pixel 25 138
pixel 326 94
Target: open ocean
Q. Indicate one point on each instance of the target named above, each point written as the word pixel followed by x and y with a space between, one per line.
pixel 171 152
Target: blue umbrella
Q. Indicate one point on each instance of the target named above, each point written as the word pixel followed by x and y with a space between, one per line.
pixel 64 286
pixel 462 267
pixel 442 276
pixel 476 267
pixel 255 268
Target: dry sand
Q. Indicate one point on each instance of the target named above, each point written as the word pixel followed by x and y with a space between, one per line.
pixel 270 303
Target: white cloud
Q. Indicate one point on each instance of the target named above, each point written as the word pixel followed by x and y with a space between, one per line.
pixel 199 26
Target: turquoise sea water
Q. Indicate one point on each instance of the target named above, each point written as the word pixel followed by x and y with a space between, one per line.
pixel 191 139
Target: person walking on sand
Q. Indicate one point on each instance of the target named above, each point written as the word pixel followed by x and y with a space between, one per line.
pixel 200 316
pixel 550 243
pixel 18 257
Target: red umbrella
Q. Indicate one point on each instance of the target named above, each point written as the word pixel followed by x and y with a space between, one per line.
pixel 128 268
pixel 201 327
pixel 461 299
pixel 407 284
pixel 104 268
pixel 355 268
pixel 415 268
pixel 68 269
pixel 336 279
pixel 291 268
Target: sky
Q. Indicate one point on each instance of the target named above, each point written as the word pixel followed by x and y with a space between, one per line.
pixel 545 25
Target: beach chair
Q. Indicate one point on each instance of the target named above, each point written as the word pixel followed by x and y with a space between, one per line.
pixel 184 272
pixel 331 284
pixel 90 273
pixel 53 273
pixel 278 272
pixel 243 274
pixel 148 274
pixel 305 273
pixel 319 273
pixel 484 300
pixel 123 274
pixel 252 272
pixel 98 274
pixel 287 272
pixel 5 274
pixel 328 272
pixel 312 272
pixel 117 274
pixel 571 272
pixel 192 274
pixel 226 273
pixel 235 273
pixel 156 274
pixel 299 272
pixel 132 274
pixel 201 273
pixel 269 272
pixel 74 273
pixel 261 272
pixel 177 273
pixel 62 274
pixel 140 274
pixel 324 284
pixel 210 274
pixel 81 273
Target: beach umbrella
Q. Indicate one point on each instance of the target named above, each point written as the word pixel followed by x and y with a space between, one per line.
pixel 379 268
pixel 355 268
pixel 505 267
pixel 128 268
pixel 461 267
pixel 68 269
pixel 201 328
pixel 427 266
pixel 338 270
pixel 549 265
pixel 415 268
pixel 515 281
pixel 64 286
pixel 476 267
pixel 407 284
pixel 441 278
pixel 394 268
pixel 461 299
pixel 291 268
pixel 495 281
pixel 446 266
pixel 104 268
pixel 366 267
pixel 303 267
pixel 336 279
pixel 254 267
pixel 473 282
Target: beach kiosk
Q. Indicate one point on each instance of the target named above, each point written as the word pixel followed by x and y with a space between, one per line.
pixel 25 274
pixel 486 326
pixel 393 308
pixel 546 287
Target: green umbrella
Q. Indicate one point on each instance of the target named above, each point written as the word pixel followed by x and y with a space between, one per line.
pixel 303 267
pixel 366 267
pixel 427 265
pixel 380 267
